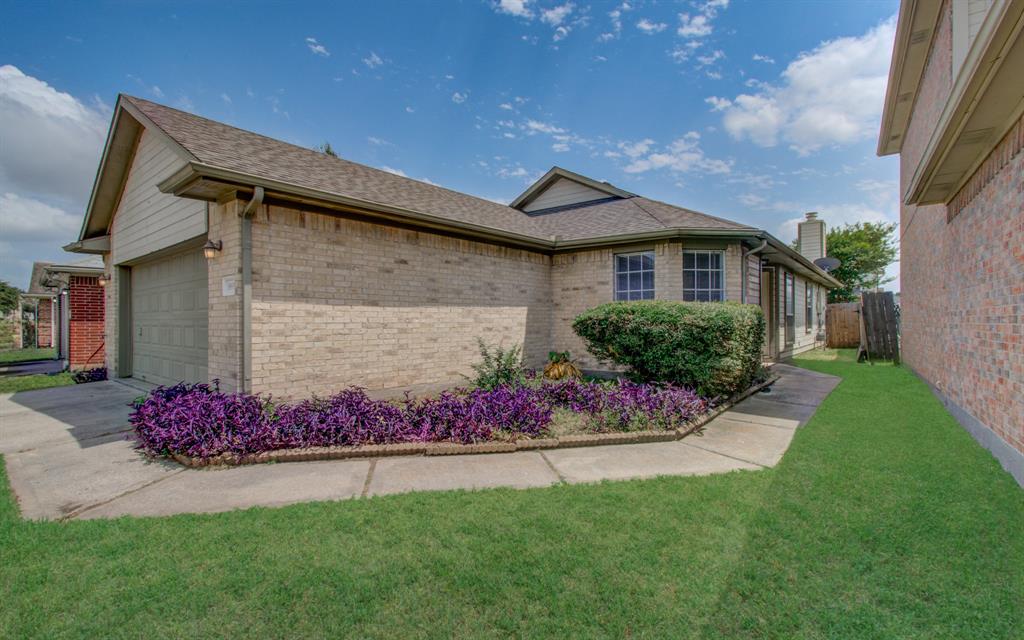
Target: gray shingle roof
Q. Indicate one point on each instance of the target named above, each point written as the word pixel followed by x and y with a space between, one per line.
pixel 227 147
pixel 625 216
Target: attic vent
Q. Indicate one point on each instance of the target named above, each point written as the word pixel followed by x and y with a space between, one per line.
pixel 903 97
pixel 917 37
pixel 975 136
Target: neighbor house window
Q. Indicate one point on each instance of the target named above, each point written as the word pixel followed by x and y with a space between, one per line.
pixel 808 307
pixel 634 276
pixel 704 276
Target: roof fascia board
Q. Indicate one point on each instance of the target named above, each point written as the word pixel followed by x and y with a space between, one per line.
pixel 555 173
pixel 906 70
pixel 179 182
pixel 792 254
pixel 117 128
pixel 998 34
pixel 98 245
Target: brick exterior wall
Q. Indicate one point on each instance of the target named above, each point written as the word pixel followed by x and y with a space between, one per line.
pixel 86 331
pixel 338 302
pixel 962 271
pixel 584 279
pixel 44 323
pixel 224 324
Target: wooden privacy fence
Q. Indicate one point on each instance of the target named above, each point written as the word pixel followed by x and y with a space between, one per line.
pixel 842 325
pixel 879 338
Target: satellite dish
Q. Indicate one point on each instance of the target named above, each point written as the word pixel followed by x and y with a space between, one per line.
pixel 827 264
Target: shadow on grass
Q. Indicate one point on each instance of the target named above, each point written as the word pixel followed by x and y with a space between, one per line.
pixel 884 519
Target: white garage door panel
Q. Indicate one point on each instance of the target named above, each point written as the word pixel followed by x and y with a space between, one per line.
pixel 169 319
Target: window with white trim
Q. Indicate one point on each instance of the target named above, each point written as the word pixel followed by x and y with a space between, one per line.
pixel 703 276
pixel 808 307
pixel 634 276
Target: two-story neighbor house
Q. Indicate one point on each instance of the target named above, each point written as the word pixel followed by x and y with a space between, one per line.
pixel 953 112
pixel 275 268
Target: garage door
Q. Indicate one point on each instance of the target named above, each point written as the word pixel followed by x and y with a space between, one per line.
pixel 169 299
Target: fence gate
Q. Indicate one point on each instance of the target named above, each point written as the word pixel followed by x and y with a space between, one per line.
pixel 842 325
pixel 879 327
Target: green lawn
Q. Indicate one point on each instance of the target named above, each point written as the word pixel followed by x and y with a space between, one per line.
pixel 10 356
pixel 11 384
pixel 884 520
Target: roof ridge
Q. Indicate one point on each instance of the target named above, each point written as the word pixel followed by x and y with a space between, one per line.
pixel 639 206
pixel 312 151
pixel 699 213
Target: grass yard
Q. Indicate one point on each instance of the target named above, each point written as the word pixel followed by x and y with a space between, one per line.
pixel 884 520
pixel 11 356
pixel 12 384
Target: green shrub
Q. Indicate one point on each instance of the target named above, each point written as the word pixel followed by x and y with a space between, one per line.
pixel 499 367
pixel 714 347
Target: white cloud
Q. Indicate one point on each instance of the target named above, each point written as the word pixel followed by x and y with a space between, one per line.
pixel 410 110
pixel 517 8
pixel 397 172
pixel 51 141
pixel 506 106
pixel 760 58
pixel 378 142
pixel 710 58
pixel 373 60
pixel 25 219
pixel 226 98
pixel 516 172
pixel 535 126
pixel 696 26
pixel 560 33
pixel 649 27
pixel 560 147
pixel 556 15
pixel 681 156
pixel 459 98
pixel 317 48
pixel 714 75
pixel 831 95
pixel 718 104
pixel 636 149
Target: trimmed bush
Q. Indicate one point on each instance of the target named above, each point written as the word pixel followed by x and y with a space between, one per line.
pixel 714 347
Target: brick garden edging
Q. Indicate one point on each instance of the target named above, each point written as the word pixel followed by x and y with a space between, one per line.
pixel 453 448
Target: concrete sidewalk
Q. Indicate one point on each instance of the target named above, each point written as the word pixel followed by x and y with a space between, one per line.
pixel 67 457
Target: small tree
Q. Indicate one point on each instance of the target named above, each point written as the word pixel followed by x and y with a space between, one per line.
pixel 8 298
pixel 864 250
pixel 326 149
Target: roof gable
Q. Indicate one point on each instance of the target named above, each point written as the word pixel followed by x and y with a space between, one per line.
pixel 559 187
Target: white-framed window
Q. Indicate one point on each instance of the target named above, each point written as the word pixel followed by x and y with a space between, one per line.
pixel 703 275
pixel 634 275
pixel 808 307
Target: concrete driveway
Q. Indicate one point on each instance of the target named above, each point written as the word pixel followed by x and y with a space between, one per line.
pixel 68 457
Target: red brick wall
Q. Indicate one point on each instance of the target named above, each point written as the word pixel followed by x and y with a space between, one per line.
pixel 86 330
pixel 44 323
pixel 962 271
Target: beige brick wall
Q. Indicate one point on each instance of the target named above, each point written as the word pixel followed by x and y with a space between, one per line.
pixel 338 302
pixel 584 279
pixel 224 359
pixel 110 318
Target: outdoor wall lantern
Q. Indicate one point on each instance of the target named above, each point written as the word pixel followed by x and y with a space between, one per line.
pixel 211 249
pixel 103 279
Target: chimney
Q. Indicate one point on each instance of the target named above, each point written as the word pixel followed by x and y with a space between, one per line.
pixel 811 237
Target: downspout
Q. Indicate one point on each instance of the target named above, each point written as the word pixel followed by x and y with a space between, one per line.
pixel 247 215
pixel 746 278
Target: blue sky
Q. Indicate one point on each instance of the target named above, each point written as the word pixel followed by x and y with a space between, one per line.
pixel 755 111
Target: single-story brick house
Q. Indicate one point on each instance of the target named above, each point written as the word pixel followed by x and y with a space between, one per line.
pixel 322 273
pixel 68 303
pixel 954 112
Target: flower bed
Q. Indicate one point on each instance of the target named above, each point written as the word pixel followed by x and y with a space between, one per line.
pixel 199 421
